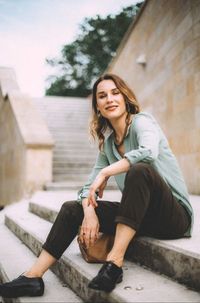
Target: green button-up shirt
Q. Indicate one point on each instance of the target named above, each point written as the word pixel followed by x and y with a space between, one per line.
pixel 144 142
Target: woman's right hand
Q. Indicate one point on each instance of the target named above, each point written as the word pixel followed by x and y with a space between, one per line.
pixel 90 226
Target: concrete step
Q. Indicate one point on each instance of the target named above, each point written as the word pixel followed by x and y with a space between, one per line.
pixel 139 284
pixel 72 175
pixel 81 178
pixel 79 167
pixel 178 259
pixel 72 152
pixel 79 131
pixel 16 258
pixel 72 167
pixel 54 102
pixel 68 121
pixel 77 160
pixel 72 138
pixel 63 186
pixel 58 177
pixel 64 124
pixel 70 125
pixel 75 185
pixel 74 148
pixel 72 142
pixel 47 204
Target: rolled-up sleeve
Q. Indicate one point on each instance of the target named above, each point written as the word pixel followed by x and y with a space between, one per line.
pixel 147 135
pixel 101 162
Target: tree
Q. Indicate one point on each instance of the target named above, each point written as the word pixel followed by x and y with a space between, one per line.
pixel 87 57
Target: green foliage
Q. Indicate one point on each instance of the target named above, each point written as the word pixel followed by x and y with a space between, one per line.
pixel 88 56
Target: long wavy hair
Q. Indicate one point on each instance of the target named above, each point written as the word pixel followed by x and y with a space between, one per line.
pixel 99 125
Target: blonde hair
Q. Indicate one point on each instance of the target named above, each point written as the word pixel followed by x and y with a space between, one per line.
pixel 99 124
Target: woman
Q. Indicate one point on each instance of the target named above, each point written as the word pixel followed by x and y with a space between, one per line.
pixel 154 200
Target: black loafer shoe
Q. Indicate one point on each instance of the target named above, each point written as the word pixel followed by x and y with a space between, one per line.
pixel 22 287
pixel 107 278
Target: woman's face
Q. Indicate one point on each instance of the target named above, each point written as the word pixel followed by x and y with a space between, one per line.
pixel 110 101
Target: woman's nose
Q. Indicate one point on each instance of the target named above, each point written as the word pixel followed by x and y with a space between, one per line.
pixel 109 98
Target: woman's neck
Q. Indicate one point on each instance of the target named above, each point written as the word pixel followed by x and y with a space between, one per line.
pixel 120 126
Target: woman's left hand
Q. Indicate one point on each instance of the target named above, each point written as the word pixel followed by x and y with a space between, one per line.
pixel 98 185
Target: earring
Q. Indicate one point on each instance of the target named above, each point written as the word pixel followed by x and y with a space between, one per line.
pixel 98 113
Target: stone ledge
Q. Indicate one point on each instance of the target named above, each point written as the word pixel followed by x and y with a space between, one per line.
pixel 179 259
pixel 32 127
pixel 139 284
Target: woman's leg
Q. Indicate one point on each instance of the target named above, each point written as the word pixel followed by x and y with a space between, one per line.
pixel 64 230
pixel 147 206
pixel 62 233
pixel 124 234
pixel 42 264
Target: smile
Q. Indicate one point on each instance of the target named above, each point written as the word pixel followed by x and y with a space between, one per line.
pixel 111 107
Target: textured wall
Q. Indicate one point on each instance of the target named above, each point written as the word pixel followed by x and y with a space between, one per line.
pixel 25 143
pixel 12 158
pixel 168 33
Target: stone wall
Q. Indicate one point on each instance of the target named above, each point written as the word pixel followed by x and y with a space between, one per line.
pixel 25 143
pixel 167 33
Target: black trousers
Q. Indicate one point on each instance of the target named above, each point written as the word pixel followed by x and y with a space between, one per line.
pixel 147 206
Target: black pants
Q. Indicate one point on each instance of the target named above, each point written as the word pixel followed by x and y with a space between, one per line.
pixel 147 206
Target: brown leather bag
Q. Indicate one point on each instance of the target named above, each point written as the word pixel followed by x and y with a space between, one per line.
pixel 98 252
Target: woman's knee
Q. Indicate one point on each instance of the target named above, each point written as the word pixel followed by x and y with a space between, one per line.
pixel 71 209
pixel 139 170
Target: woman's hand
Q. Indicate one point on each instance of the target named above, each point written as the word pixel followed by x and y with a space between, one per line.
pixel 90 226
pixel 98 185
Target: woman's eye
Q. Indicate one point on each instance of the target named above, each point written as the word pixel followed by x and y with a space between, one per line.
pixel 101 96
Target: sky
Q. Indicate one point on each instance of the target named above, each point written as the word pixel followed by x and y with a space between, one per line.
pixel 33 30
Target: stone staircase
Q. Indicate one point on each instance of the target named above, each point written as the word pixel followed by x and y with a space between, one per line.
pixel 154 270
pixel 74 153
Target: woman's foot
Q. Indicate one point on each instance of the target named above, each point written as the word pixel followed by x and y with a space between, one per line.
pixel 107 278
pixel 21 287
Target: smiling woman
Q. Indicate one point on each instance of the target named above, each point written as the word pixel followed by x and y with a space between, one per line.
pixel 154 201
pixel 111 97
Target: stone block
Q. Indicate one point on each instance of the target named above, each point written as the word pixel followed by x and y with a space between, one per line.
pixel 38 168
pixel 32 127
pixel 21 130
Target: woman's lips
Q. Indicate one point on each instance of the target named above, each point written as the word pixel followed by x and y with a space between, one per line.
pixel 111 108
